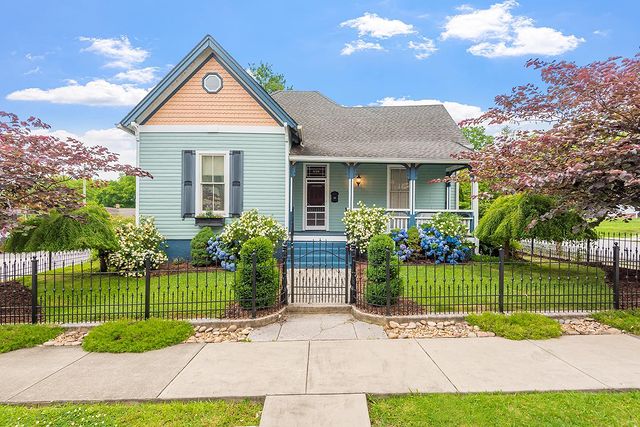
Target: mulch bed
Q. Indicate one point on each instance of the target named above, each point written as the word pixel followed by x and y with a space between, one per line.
pixel 15 303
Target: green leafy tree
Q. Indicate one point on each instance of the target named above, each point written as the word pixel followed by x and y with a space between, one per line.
pixel 88 227
pixel 268 79
pixel 524 216
pixel 118 192
pixel 478 138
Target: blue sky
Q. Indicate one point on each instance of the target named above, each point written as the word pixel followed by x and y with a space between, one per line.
pixel 80 65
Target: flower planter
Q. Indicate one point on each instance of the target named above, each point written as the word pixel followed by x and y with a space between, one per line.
pixel 210 222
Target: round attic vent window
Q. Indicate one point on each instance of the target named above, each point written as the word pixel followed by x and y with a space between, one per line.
pixel 212 83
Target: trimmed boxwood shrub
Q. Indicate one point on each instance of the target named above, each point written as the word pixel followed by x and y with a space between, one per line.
pixel 266 274
pixel 376 291
pixel 200 257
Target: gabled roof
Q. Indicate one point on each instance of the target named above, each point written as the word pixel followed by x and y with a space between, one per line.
pixel 162 90
pixel 425 132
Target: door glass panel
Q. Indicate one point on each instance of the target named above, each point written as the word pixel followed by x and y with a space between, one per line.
pixel 315 193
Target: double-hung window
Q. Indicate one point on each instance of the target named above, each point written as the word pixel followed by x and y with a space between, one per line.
pixel 212 183
pixel 397 188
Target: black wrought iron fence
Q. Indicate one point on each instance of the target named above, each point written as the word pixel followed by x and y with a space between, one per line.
pixel 536 282
pixel 77 292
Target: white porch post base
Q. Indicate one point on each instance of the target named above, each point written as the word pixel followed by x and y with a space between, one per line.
pixel 475 203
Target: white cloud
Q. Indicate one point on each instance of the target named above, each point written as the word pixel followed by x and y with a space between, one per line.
pixel 138 75
pixel 120 52
pixel 95 93
pixel 423 48
pixel 457 110
pixel 114 139
pixel 370 24
pixel 602 33
pixel 497 33
pixel 357 45
pixel 32 57
pixel 35 70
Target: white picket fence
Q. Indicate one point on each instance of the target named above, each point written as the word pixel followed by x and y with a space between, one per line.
pixel 13 265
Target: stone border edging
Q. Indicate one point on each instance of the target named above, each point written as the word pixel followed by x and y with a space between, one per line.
pixel 358 314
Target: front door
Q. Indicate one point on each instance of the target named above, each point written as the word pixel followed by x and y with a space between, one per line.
pixel 315 197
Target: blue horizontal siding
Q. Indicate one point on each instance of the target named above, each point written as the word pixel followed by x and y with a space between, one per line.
pixel 160 154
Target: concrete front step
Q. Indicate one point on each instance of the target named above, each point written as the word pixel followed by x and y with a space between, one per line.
pixel 318 410
pixel 319 309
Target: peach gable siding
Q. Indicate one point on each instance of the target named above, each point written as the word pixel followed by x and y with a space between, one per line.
pixel 192 105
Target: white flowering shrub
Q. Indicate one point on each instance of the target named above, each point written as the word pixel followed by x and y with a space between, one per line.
pixel 251 224
pixel 135 244
pixel 448 223
pixel 363 223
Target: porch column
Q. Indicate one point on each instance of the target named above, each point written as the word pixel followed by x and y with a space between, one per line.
pixel 412 175
pixel 292 174
pixel 474 203
pixel 351 174
pixel 447 193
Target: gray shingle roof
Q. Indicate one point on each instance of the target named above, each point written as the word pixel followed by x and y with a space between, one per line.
pixel 423 132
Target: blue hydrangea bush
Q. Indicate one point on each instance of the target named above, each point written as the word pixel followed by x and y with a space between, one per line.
pixel 221 254
pixel 401 238
pixel 442 248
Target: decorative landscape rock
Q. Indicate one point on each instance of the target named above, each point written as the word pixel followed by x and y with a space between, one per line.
pixel 586 326
pixel 204 334
pixel 68 338
pixel 429 329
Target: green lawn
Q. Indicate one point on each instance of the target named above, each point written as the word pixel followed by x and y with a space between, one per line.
pixel 620 226
pixel 523 409
pixel 14 337
pixel 626 320
pixel 528 286
pixel 207 413
pixel 80 293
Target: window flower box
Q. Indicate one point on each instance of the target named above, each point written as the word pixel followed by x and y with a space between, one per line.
pixel 209 220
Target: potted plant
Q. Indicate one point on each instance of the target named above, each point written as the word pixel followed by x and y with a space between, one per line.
pixel 209 219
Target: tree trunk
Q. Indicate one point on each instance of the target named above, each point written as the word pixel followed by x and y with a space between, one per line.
pixel 103 261
pixel 507 249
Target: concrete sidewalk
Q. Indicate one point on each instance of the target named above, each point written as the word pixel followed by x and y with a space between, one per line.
pixel 258 369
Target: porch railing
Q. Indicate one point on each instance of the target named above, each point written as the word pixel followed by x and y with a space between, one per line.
pixel 399 218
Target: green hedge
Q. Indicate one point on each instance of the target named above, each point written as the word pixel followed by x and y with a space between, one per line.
pixel 266 274
pixel 199 255
pixel 376 291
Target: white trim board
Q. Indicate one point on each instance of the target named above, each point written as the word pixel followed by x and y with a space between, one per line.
pixel 211 129
pixel 227 178
pixel 326 197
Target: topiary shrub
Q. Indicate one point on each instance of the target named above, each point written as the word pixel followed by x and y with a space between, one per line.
pixel 266 274
pixel 376 291
pixel 200 257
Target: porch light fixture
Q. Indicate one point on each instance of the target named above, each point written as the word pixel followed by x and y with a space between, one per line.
pixel 358 180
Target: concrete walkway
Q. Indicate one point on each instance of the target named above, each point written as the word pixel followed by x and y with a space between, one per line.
pixel 288 370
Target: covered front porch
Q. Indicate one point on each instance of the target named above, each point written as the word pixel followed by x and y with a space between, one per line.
pixel 320 191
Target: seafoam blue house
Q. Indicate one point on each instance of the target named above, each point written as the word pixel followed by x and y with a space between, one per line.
pixel 215 141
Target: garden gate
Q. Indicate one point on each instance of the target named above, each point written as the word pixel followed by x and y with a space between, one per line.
pixel 319 272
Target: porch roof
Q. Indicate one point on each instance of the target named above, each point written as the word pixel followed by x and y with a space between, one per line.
pixel 421 133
